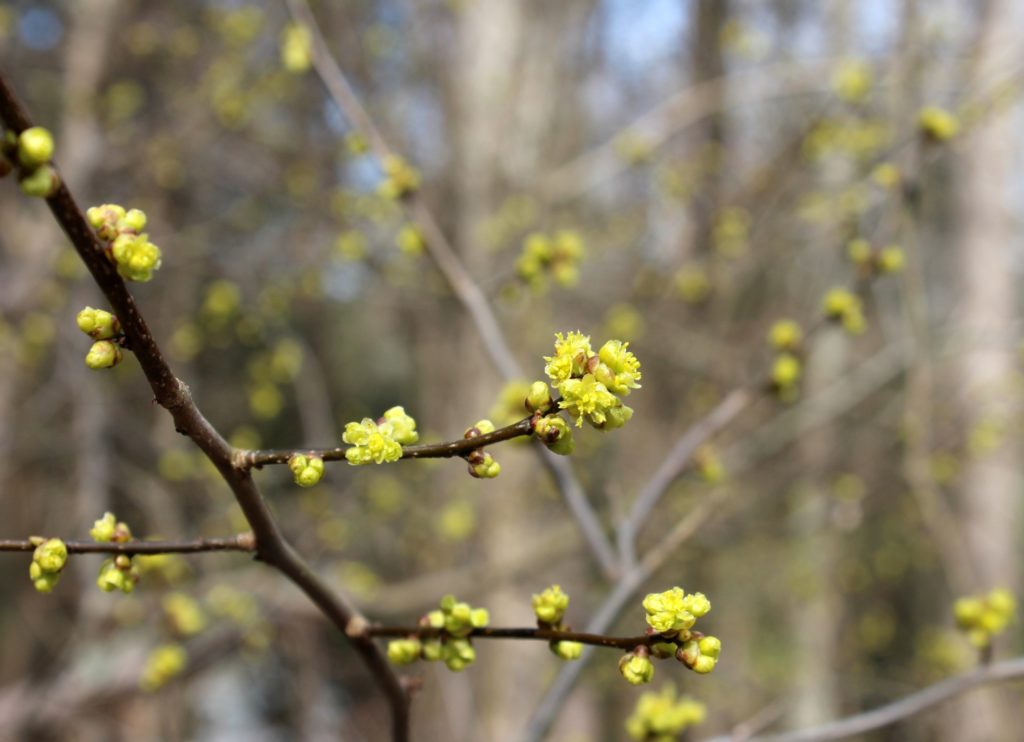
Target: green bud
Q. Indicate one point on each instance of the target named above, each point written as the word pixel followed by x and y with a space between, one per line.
pixel 539 397
pixel 488 468
pixel 636 667
pixel 40 183
pixel 432 650
pixel 51 556
pixel 554 432
pixel 458 654
pixel 567 650
pixel 435 619
pixel 664 650
pixel 404 651
pixel 308 470
pixel 98 324
pixel 704 664
pixel 550 605
pixel 448 603
pixel 35 147
pixel 689 653
pixel 103 529
pixel 479 618
pixel 103 354
pixel 479 428
pixel 111 578
pixel 46 582
pixel 134 220
pixel 710 646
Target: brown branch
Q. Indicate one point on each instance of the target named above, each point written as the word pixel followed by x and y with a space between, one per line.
pixel 450 449
pixel 241 542
pixel 528 634
pixel 174 396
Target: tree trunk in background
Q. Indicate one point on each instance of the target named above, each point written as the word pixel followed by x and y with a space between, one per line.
pixel 505 94
pixel 990 494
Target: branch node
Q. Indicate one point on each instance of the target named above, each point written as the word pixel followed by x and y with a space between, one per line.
pixel 356 627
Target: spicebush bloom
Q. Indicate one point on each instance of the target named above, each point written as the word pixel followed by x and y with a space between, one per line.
pixel 403 426
pixel 674 610
pixel 661 717
pixel 371 442
pixel 619 369
pixel 550 605
pixel 571 354
pixel 588 397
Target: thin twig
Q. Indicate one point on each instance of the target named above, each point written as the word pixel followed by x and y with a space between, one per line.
pixel 892 713
pixel 241 542
pixel 528 634
pixel 449 449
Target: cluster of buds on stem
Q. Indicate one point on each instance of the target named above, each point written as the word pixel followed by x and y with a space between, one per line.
pixel 48 559
pixel 872 261
pixel 558 256
pixel 449 640
pixel 671 616
pixel 786 338
pixel 127 245
pixel 481 464
pixel 116 573
pixel 380 441
pixel 983 616
pixel 549 607
pixel 30 152
pixel 591 384
pixel 104 328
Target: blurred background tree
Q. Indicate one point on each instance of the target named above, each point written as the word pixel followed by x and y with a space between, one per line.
pixel 699 170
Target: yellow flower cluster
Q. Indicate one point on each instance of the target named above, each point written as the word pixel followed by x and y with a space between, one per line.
pixel 558 255
pixel 984 616
pixel 456 621
pixel 48 559
pixel 129 247
pixel 589 382
pixel 32 151
pixel 104 328
pixel 116 573
pixel 308 470
pixel 662 717
pixel 842 305
pixel 549 607
pixel 381 440
pixel 674 611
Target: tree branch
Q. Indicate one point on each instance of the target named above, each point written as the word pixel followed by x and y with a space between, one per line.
pixel 892 713
pixel 528 634
pixel 241 542
pixel 173 395
pixel 450 449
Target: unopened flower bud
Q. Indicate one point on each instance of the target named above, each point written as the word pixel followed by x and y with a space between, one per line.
pixel 550 605
pixel 636 667
pixel 134 220
pixel 103 529
pixel 51 556
pixel 554 432
pixel 567 650
pixel 103 354
pixel 35 147
pixel 40 183
pixel 98 323
pixel 308 470
pixel 404 651
pixel 539 397
pixel 488 468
